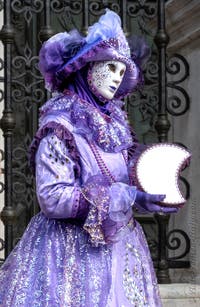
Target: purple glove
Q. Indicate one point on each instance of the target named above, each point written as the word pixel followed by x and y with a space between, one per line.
pixel 145 202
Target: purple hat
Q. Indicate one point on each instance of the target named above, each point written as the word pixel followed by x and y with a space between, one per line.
pixel 65 53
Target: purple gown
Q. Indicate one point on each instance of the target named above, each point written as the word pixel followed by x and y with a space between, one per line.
pixel 84 249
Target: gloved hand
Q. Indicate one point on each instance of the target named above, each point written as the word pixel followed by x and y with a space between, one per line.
pixel 145 202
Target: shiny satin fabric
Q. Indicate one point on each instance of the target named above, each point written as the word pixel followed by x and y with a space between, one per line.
pixel 56 263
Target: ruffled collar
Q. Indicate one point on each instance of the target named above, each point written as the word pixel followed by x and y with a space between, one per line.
pixel 110 132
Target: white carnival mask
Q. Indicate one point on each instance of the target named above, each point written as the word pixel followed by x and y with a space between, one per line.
pixel 104 78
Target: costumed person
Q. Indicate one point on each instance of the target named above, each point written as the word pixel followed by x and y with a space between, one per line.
pixel 85 249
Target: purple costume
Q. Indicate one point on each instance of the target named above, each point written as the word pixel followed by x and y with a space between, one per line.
pixel 58 262
pixel 84 249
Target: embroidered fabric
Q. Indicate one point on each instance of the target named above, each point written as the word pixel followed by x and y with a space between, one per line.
pixel 111 133
pixel 55 263
pixel 63 134
pixel 109 209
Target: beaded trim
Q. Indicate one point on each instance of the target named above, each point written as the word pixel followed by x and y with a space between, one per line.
pixel 125 155
pixel 102 166
pixel 104 169
pixel 111 133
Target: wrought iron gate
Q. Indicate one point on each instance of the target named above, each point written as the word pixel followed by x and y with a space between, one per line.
pixel 27 24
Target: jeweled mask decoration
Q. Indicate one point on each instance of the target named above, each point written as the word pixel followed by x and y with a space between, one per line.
pixel 105 77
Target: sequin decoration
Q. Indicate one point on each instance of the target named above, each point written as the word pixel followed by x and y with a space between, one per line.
pixel 133 278
pixel 98 197
pixel 104 78
pixel 54 265
pixel 111 133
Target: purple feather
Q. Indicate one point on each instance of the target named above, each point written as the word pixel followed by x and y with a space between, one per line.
pixel 140 51
pixel 54 53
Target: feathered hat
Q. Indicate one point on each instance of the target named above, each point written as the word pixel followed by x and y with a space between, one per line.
pixel 65 53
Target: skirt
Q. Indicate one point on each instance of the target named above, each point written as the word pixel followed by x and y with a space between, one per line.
pixel 55 265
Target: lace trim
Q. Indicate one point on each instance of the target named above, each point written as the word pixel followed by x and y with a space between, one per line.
pixel 109 132
pixel 102 165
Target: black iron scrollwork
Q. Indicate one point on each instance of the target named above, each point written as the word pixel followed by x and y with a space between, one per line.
pixel 75 7
pixel 2 244
pixel 177 68
pixel 151 69
pixel 27 7
pixel 142 7
pixel 173 242
pixel 58 6
pixel 26 68
pixel 66 9
pixel 95 8
pixel 146 102
pixel 142 11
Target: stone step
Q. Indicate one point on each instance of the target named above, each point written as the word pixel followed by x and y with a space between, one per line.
pixel 180 295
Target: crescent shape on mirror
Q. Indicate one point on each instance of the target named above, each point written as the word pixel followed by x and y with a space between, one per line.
pixel 157 171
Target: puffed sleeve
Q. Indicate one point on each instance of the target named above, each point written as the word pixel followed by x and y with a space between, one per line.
pixel 58 190
pixel 105 208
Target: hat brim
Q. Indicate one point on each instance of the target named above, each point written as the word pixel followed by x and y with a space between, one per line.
pixel 103 51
